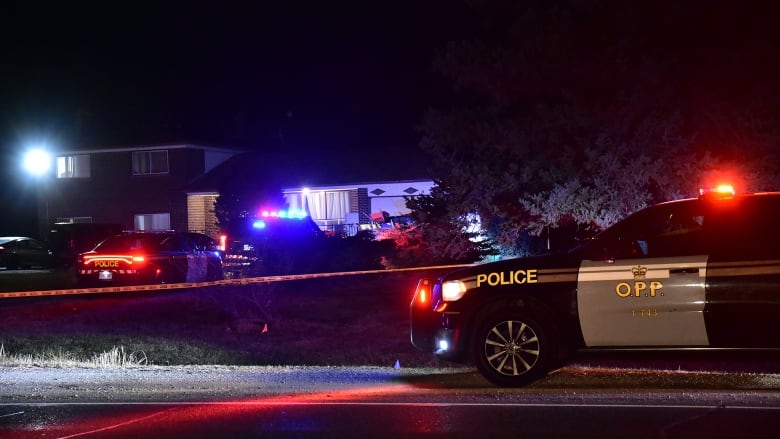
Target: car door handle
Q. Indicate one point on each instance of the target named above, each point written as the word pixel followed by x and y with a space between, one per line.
pixel 691 270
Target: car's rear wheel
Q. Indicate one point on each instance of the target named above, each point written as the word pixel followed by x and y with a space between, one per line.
pixel 513 348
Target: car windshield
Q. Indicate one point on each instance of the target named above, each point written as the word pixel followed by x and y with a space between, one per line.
pixel 7 239
pixel 129 243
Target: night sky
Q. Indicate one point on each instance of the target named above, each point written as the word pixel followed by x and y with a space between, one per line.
pixel 253 76
pixel 336 84
pixel 333 81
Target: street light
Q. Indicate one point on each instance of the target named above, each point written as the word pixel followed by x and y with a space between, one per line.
pixel 37 162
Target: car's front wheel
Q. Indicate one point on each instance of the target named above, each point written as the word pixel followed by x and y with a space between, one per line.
pixel 513 348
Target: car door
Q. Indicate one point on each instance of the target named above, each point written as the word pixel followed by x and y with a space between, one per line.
pixel 743 275
pixel 31 253
pixel 643 282
pixel 173 248
pixel 197 259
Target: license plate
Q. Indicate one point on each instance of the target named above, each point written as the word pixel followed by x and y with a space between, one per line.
pixel 105 275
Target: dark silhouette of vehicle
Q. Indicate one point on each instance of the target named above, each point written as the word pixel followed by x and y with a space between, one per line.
pixel 275 245
pixel 68 240
pixel 22 252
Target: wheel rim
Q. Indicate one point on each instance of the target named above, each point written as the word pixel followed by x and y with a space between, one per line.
pixel 512 348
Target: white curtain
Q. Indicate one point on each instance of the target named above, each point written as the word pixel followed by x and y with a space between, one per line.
pixel 338 205
pixel 294 201
pixel 331 206
pixel 315 201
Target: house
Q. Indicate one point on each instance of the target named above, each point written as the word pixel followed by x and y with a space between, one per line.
pixel 341 207
pixel 167 187
pixel 141 188
pixel 345 209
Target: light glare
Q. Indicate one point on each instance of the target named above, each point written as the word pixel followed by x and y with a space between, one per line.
pixel 452 290
pixel 37 162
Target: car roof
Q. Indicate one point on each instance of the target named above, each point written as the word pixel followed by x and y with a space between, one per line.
pixel 715 198
pixel 161 233
pixel 5 239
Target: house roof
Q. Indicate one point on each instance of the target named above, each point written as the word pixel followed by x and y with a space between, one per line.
pixel 283 170
pixel 150 148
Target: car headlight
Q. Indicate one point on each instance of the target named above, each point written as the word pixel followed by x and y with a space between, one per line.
pixel 452 290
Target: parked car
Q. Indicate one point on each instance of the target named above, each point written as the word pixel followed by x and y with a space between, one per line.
pixel 691 274
pixel 23 252
pixel 68 240
pixel 139 258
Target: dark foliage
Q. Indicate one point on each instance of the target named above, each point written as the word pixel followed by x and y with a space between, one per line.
pixel 569 112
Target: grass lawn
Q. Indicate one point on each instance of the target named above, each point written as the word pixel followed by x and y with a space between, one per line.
pixel 349 320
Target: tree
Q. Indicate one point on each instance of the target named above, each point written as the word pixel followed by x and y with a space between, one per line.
pixel 571 114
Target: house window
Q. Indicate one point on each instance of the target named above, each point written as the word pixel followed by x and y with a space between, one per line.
pixel 73 166
pixel 152 221
pixel 327 207
pixel 150 162
pixel 73 219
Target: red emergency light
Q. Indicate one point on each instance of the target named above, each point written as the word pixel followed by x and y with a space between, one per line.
pixel 718 191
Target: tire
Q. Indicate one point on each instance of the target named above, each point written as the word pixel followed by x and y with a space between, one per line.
pixel 513 348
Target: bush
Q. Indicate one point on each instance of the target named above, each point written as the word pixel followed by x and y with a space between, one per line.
pixel 431 244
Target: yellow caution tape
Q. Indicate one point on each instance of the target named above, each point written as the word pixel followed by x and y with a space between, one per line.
pixel 239 281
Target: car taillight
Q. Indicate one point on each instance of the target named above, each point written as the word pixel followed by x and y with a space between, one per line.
pixel 422 294
pixel 127 259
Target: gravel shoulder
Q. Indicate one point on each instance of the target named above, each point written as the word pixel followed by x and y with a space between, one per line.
pixel 570 385
pixel 196 383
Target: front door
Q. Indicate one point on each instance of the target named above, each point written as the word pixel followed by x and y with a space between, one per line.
pixel 643 302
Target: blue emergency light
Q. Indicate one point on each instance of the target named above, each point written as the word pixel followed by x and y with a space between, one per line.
pixel 288 214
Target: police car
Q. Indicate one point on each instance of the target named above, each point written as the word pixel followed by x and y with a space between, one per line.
pixel 275 242
pixel 150 258
pixel 699 273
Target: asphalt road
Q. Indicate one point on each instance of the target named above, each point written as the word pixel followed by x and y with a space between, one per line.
pixel 382 402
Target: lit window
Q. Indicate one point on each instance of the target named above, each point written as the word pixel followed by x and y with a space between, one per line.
pixel 152 221
pixel 150 162
pixel 73 166
pixel 73 219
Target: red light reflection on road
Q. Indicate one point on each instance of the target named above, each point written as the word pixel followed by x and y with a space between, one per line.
pixel 146 418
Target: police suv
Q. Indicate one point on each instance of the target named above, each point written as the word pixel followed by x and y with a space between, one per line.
pixel 691 274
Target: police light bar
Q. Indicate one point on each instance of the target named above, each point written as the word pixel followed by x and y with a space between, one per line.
pixel 719 191
pixel 288 214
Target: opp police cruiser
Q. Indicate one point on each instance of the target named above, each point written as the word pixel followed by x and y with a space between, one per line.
pixel 696 273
